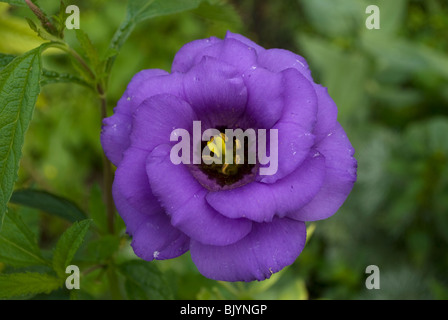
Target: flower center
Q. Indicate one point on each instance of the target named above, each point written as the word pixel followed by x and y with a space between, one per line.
pixel 226 168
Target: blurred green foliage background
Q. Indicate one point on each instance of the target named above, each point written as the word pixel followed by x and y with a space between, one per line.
pixel 391 88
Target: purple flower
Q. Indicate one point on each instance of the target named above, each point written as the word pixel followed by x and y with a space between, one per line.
pixel 238 226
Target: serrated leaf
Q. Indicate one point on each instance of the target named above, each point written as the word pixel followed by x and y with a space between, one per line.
pixel 17 284
pixel 48 202
pixel 48 76
pixel 19 88
pixel 68 244
pixel 88 48
pixel 144 281
pixel 18 245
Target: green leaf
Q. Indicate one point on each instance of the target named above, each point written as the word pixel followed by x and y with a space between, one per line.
pixel 405 56
pixel 48 202
pixel 334 18
pixel 19 88
pixel 20 3
pixel 48 77
pixel 18 284
pixel 18 245
pixel 5 59
pixel 144 281
pixel 103 248
pixel 330 61
pixel 141 10
pixel 220 12
pixel 88 48
pixel 67 246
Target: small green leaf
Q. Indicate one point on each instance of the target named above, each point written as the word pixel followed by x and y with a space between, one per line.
pixel 141 10
pixel 50 77
pixel 144 281
pixel 48 202
pixel 88 48
pixel 19 88
pixel 221 12
pixel 18 284
pixel 32 25
pixel 18 245
pixel 68 244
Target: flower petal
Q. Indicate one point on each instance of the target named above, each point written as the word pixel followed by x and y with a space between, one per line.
pixel 216 92
pixel 296 125
pixel 267 249
pixel 157 239
pixel 115 136
pixel 327 113
pixel 117 128
pixel 265 99
pixel 277 60
pixel 157 117
pixel 132 192
pixel 260 202
pixel 183 198
pixel 340 175
pixel 246 41
pixel 232 52
pixel 185 58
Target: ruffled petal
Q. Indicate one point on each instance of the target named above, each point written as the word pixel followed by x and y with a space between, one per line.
pixel 216 92
pixel 117 128
pixel 157 239
pixel 267 249
pixel 132 192
pixel 340 175
pixel 183 198
pixel 157 117
pixel 115 136
pixel 295 127
pixel 327 113
pixel 246 41
pixel 260 202
pixel 265 98
pixel 232 52
pixel 185 58
pixel 278 60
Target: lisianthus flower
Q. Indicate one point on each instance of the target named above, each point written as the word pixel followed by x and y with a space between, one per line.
pixel 237 224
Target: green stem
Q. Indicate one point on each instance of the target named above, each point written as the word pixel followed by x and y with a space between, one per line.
pixel 107 166
pixel 113 284
pixel 107 171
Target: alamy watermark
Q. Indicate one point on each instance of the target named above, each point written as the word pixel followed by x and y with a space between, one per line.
pixel 72 281
pixel 230 142
pixel 373 280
